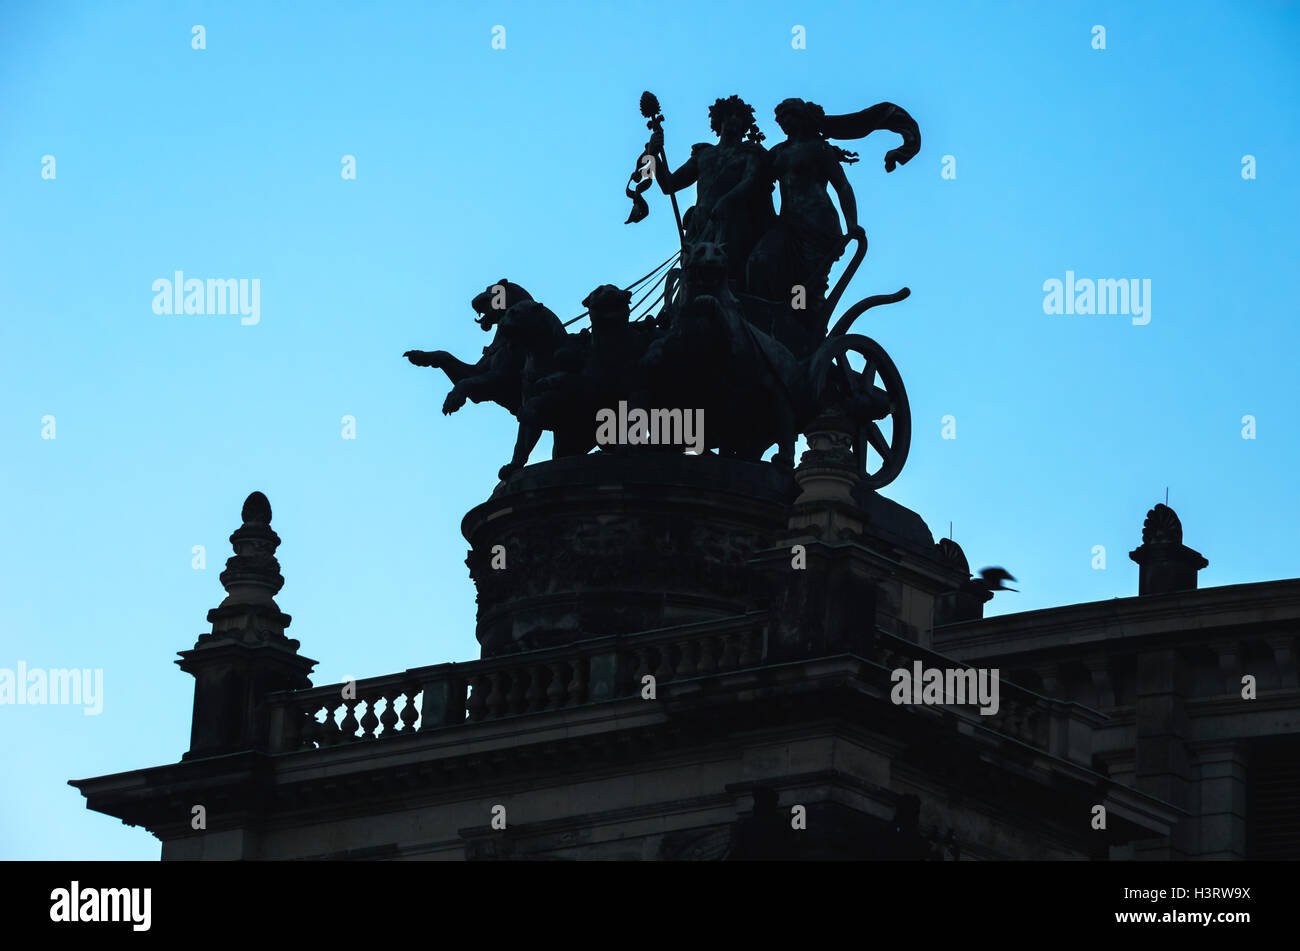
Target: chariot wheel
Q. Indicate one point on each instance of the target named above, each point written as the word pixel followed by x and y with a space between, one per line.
pixel 844 374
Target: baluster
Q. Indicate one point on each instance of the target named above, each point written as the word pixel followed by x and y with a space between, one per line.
pixel 536 696
pixel 330 729
pixel 476 705
pixel 577 691
pixel 707 664
pixel 348 728
pixel 555 692
pixel 310 732
pixel 409 713
pixel 1015 722
pixel 728 659
pixel 642 665
pixel 749 652
pixel 388 719
pixel 368 720
pixel 518 690
pixel 686 659
pixel 496 700
pixel 320 728
pixel 664 672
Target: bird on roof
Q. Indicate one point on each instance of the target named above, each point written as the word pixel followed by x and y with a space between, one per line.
pixel 992 578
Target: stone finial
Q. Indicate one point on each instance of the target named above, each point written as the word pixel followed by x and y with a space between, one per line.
pixel 966 602
pixel 246 656
pixel 252 579
pixel 1162 525
pixel 951 554
pixel 1165 564
pixel 256 510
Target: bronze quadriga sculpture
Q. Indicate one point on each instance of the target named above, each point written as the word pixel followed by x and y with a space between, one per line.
pixel 740 330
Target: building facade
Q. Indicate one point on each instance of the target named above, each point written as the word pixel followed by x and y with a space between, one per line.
pixel 692 657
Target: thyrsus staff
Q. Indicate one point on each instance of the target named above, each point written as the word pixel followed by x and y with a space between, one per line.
pixel 645 171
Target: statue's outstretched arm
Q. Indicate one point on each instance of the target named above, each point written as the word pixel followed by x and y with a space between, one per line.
pixel 670 181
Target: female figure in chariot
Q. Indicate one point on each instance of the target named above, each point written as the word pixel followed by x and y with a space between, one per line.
pixel 805 241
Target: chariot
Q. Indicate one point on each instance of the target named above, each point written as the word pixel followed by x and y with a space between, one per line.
pixel 844 374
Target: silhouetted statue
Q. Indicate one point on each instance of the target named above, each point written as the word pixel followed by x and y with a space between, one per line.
pixel 589 371
pixel 806 241
pixel 496 376
pixel 733 198
pixel 613 367
pixel 752 388
pixel 530 330
pixel 758 365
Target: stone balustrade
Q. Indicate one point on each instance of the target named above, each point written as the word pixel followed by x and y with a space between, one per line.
pixel 596 670
pixel 428 698
pixel 1061 728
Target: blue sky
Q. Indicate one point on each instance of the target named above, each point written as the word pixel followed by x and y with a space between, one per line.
pixel 475 164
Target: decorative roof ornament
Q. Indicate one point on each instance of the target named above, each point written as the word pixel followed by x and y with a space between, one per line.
pixel 256 510
pixel 252 574
pixel 246 655
pixel 252 579
pixel 1165 564
pixel 1162 526
pixel 950 553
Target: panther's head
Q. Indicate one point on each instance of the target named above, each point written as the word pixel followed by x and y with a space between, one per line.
pixel 609 306
pixel 495 300
pixel 705 265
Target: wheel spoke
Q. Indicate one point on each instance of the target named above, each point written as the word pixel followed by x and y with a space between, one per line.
pixel 856 383
pixel 846 375
pixel 878 443
pixel 868 374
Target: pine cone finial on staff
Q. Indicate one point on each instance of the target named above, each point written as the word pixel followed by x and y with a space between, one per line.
pixel 649 104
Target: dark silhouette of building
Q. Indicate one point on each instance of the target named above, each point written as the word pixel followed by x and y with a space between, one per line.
pixel 692 658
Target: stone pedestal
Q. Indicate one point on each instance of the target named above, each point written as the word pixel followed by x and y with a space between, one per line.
pixel 849 561
pixel 620 542
pixel 1165 564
